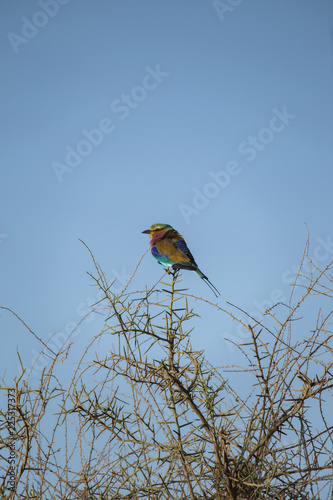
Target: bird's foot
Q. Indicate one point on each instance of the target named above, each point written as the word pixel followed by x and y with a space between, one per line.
pixel 172 271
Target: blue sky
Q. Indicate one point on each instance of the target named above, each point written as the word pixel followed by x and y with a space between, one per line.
pixel 118 115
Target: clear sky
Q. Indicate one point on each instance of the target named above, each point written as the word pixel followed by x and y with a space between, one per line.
pixel 214 117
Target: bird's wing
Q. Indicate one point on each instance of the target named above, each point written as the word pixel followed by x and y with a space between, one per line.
pixel 181 245
pixel 177 251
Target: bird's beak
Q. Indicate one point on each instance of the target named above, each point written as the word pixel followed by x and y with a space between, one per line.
pixel 147 231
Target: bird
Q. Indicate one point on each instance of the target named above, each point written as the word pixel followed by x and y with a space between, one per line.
pixel 170 250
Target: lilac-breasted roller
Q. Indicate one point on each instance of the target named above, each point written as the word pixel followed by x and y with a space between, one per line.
pixel 170 250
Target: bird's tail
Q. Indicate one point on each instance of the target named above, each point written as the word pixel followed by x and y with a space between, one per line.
pixel 208 283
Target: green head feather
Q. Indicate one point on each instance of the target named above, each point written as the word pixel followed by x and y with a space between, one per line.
pixel 157 227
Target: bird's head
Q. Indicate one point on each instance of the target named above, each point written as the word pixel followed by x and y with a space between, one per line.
pixel 158 230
